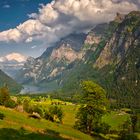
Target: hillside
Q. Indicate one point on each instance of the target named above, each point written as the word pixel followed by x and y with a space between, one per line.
pixel 13 86
pixel 19 126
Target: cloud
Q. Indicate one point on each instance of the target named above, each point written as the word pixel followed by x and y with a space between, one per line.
pixel 13 56
pixel 63 17
pixel 34 46
pixel 6 6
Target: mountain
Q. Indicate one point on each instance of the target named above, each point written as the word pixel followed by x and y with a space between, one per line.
pixel 13 86
pixel 46 70
pixel 113 61
pixel 12 63
pixel 108 54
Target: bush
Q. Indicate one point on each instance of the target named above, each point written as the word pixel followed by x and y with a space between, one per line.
pixel 103 128
pixel 2 116
pixel 38 109
pixel 54 114
pixel 10 103
pixel 48 116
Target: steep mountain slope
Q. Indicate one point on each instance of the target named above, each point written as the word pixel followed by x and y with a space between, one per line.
pixel 48 68
pixel 114 61
pixel 93 46
pixel 13 86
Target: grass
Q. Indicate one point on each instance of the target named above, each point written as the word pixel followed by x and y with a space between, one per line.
pixel 17 125
pixel 69 110
pixel 69 114
pixel 116 119
pixel 20 126
pixel 22 134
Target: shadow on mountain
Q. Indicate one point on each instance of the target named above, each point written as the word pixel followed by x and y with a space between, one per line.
pixel 22 134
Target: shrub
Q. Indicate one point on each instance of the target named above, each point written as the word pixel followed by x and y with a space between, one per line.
pixel 38 109
pixel 10 103
pixel 2 116
pixel 103 128
pixel 48 116
pixel 54 114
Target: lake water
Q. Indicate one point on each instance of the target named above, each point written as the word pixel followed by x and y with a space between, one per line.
pixel 31 89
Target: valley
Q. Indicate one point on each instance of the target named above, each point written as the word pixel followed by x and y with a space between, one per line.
pixel 84 86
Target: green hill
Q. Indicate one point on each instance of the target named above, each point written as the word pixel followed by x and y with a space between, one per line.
pixel 13 86
pixel 19 126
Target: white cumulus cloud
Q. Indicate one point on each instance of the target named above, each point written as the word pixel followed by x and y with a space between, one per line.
pixel 13 56
pixel 62 17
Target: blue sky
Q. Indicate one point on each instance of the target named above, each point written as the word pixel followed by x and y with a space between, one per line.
pixel 14 12
pixel 28 27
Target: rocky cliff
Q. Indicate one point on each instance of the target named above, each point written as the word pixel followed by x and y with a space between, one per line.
pixel 56 60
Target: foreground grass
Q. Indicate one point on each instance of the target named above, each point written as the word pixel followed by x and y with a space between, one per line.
pixel 17 126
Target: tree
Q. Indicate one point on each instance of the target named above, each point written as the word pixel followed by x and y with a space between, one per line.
pixel 93 107
pixel 4 95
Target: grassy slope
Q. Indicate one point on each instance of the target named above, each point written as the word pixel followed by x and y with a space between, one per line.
pixel 116 119
pixel 18 126
pixel 69 110
pixel 43 129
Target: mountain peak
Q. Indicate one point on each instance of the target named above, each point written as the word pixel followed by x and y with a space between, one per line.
pixel 13 57
pixel 119 17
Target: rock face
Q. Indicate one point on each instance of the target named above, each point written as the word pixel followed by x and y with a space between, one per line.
pixel 65 52
pixel 119 43
pixel 92 39
pixel 53 62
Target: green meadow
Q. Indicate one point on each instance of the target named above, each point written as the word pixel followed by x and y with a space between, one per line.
pixel 19 126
